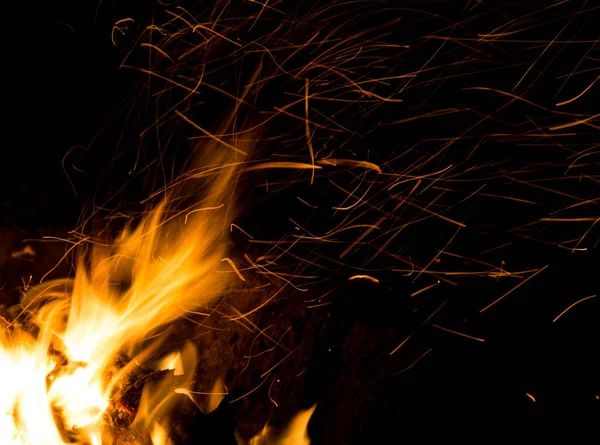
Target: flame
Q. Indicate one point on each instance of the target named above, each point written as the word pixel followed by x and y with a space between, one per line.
pixel 294 434
pixel 159 435
pixel 60 359
pixel 58 373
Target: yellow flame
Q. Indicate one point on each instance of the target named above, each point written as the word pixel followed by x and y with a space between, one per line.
pixel 296 432
pixel 58 374
pixel 159 435
pixel 61 373
pixel 172 362
pixel 219 391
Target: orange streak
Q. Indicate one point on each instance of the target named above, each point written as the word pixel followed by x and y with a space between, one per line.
pixel 457 333
pixel 210 135
pixel 364 277
pixel 308 135
pixel 510 291
pixel 415 362
pixel 579 95
pixel 236 270
pixel 574 304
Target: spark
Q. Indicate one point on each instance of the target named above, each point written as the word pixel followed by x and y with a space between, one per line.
pixel 238 100
pixel 283 165
pixel 530 184
pixel 509 198
pixel 261 332
pixel 364 277
pixel 513 289
pixel 210 135
pixel 359 239
pixel 351 163
pixel 233 266
pixel 116 27
pixel 166 79
pixel 402 343
pixel 240 229
pixel 589 218
pixel 435 113
pixel 257 308
pixel 560 104
pixel 67 253
pixel 574 123
pixel 306 203
pixel 269 393
pixel 269 272
pixel 279 362
pixel 249 392
pixel 543 52
pixel 426 288
pixel 415 362
pixel 203 209
pixel 506 93
pixel 433 314
pixel 458 333
pixel 154 47
pixel 438 254
pixel 194 28
pixel 305 120
pixel 308 134
pixel 572 305
pixel 585 234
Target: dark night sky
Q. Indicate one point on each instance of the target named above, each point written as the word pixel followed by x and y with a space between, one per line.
pixel 458 389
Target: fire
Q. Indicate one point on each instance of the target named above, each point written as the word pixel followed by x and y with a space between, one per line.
pixel 66 358
pixel 294 434
pixel 57 383
pixel 57 373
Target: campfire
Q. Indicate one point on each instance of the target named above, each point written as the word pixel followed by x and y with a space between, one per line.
pixel 78 356
pixel 304 208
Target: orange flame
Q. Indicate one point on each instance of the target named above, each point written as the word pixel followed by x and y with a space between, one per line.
pixel 57 370
pixel 294 434
pixel 56 381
